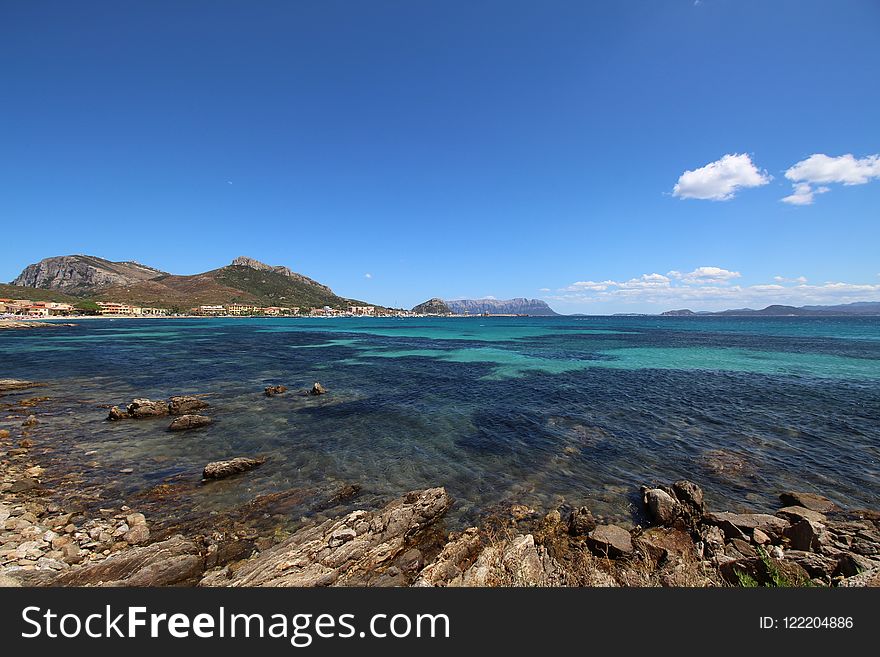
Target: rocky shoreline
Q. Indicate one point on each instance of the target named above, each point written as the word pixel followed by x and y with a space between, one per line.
pixel 676 541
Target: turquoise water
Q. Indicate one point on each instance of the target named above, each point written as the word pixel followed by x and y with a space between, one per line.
pixel 539 411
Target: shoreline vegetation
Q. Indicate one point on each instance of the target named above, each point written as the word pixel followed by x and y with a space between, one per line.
pixel 49 538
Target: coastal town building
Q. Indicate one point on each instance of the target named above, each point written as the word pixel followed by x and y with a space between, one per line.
pixel 112 308
pixel 26 307
pixel 362 310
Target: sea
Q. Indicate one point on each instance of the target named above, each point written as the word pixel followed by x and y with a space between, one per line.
pixel 542 412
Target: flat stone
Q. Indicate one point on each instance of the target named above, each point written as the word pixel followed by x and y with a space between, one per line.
pixel 610 540
pixel 748 522
pixel 810 501
pixel 798 513
pixel 185 422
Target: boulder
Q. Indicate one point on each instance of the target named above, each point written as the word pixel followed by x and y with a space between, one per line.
pixel 221 469
pixel 360 549
pixel 816 565
pixel 610 541
pixel 185 422
pixel 141 408
pixel 317 389
pixel 805 535
pixel 24 484
pixel 271 391
pixel 30 421
pixel 581 522
pixel 810 501
pixel 185 404
pixel 690 498
pixel 661 507
pixel 4 434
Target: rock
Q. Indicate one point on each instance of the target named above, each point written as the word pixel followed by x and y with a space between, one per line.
pixel 797 513
pixel 220 469
pixel 27 443
pixel 185 404
pixel 765 571
pixel 271 391
pixel 137 534
pixel 8 582
pixel 662 508
pixel 759 537
pixel 746 523
pixel 816 565
pixel 667 545
pixel 71 553
pixel 173 561
pixel 610 541
pixel 31 421
pixel 317 389
pixel 307 558
pixel 186 422
pixel 134 519
pixel 868 578
pixel 690 495
pixel 805 535
pixel 4 434
pixel 117 413
pixel 24 484
pixel 581 522
pixel 141 408
pixel 809 501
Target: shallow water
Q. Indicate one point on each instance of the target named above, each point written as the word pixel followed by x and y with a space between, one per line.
pixel 538 411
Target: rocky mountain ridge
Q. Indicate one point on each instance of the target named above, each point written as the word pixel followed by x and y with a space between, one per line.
pixel 83 273
pixel 516 306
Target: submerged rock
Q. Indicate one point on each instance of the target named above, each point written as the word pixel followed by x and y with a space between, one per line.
pixel 271 391
pixel 7 385
pixel 141 408
pixel 359 549
pixel 185 422
pixel 317 389
pixel 184 404
pixel 221 469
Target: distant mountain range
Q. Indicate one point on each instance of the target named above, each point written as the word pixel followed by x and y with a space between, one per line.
pixel 849 309
pixel 518 306
pixel 245 280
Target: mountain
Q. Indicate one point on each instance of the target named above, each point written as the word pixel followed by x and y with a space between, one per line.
pixel 518 306
pixel 245 281
pixel 77 274
pixel 433 306
pixel 859 308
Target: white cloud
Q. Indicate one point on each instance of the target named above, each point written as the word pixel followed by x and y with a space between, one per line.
pixel 709 288
pixel 544 289
pixel 820 168
pixel 845 169
pixel 803 194
pixel 368 275
pixel 705 275
pixel 720 180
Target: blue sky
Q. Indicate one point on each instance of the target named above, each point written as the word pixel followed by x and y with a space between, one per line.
pixel 400 150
